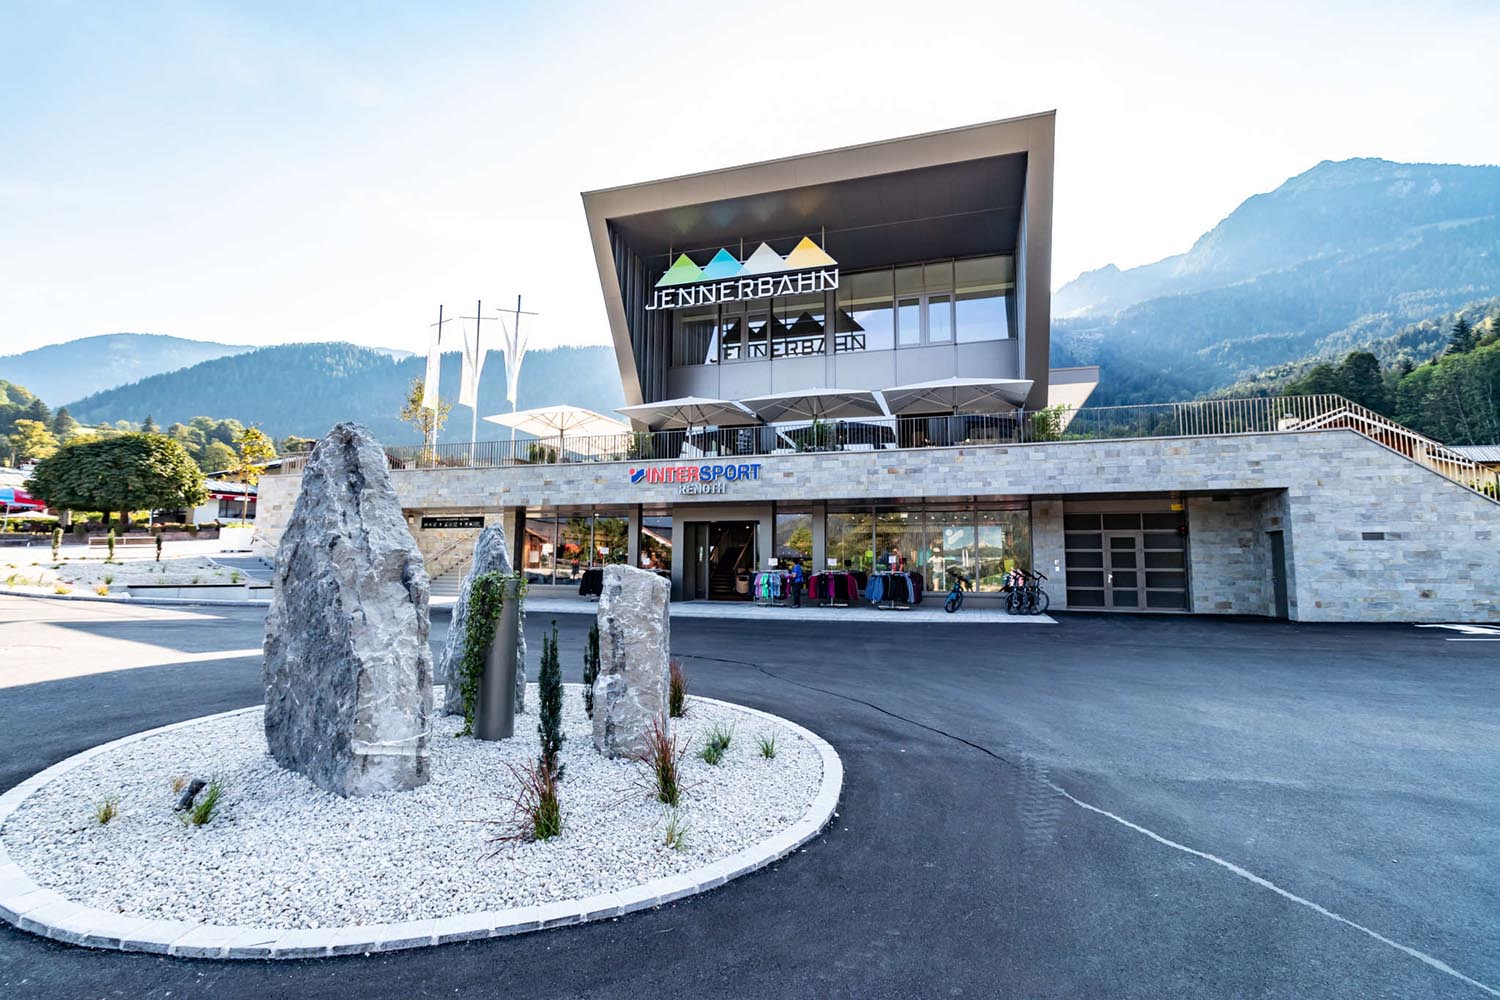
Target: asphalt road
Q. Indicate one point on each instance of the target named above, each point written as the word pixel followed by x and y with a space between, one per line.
pixel 1112 807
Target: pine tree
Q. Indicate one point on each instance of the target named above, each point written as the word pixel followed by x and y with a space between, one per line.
pixel 590 668
pixel 1462 340
pixel 549 684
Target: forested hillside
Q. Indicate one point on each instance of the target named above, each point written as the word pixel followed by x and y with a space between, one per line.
pixel 304 389
pixel 1337 258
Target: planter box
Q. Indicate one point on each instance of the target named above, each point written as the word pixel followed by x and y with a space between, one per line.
pixel 210 591
pixel 235 539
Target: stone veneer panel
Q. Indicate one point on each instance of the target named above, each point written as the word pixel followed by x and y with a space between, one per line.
pixel 1433 563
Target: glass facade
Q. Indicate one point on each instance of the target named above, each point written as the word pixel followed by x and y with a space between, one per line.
pixel 559 547
pixel 794 537
pixel 942 302
pixel 981 542
pixel 656 543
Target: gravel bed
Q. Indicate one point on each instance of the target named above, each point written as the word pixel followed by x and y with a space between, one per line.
pixel 282 853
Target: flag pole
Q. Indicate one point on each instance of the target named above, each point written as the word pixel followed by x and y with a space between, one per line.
pixel 474 410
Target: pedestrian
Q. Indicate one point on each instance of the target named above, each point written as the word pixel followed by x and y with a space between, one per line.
pixel 798 579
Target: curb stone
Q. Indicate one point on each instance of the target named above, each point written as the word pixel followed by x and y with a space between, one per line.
pixel 46 913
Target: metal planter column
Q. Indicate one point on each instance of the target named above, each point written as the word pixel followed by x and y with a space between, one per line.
pixel 495 715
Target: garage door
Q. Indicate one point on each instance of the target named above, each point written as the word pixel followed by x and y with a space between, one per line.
pixel 1126 562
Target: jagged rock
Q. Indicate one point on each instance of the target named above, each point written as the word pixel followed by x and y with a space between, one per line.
pixel 635 641
pixel 347 669
pixel 490 556
pixel 185 800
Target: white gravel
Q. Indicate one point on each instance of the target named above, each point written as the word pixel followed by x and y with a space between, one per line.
pixel 281 853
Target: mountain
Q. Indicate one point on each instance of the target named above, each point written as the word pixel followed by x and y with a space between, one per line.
pixel 91 364
pixel 1344 254
pixel 304 389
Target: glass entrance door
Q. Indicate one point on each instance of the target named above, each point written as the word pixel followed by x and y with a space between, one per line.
pixel 1123 572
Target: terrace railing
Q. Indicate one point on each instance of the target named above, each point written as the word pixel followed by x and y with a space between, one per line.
pixel 1200 418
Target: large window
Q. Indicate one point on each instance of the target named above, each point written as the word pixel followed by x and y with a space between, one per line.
pixel 937 303
pixel 850 540
pixel 979 542
pixel 794 537
pixel 866 318
pixel 696 339
pixel 656 543
pixel 798 326
pixel 985 307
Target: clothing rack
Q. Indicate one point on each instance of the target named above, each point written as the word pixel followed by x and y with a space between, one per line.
pixel 770 588
pixel 833 588
pixel 893 591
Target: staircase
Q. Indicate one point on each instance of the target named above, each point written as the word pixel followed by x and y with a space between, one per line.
pixel 1406 442
pixel 447 584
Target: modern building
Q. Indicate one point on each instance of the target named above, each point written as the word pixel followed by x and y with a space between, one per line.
pixel 842 358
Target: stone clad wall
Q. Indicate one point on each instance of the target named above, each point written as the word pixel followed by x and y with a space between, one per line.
pixel 1229 557
pixel 1435 562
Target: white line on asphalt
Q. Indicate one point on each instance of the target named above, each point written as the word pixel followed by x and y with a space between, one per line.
pixel 1438 964
pixel 1496 639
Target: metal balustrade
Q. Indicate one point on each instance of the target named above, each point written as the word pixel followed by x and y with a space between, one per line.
pixel 1199 418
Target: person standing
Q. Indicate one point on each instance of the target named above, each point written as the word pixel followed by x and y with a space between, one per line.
pixel 798 579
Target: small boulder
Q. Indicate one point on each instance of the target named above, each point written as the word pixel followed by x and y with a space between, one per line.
pixel 630 693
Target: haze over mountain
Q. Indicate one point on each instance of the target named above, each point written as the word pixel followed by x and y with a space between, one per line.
pixel 304 389
pixel 76 368
pixel 1341 256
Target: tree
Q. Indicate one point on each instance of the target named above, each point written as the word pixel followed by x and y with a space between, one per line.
pixel 549 722
pixel 294 445
pixel 122 473
pixel 32 441
pixel 255 450
pixel 148 426
pixel 217 456
pixel 1462 340
pixel 1359 374
pixel 63 424
pixel 428 422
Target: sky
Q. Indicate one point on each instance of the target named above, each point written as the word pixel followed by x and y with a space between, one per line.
pixel 271 172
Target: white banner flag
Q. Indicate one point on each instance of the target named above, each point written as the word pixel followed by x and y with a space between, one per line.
pixel 468 389
pixel 434 366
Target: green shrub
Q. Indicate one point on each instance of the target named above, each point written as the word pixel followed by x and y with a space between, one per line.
pixel 549 725
pixel 57 537
pixel 677 692
pixel 107 810
pixel 206 805
pixel 111 544
pixel 715 742
pixel 537 809
pixel 663 760
pixel 590 668
pixel 676 831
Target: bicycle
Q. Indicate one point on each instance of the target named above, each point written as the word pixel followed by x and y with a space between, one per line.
pixel 1024 594
pixel 956 595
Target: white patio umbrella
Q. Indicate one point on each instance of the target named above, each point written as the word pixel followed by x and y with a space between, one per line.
pixel 958 395
pixel 689 412
pixel 816 404
pixel 560 422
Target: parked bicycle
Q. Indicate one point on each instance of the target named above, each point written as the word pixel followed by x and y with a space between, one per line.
pixel 956 594
pixel 1024 594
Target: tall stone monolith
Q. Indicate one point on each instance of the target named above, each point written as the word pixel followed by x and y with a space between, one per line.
pixel 490 556
pixel 634 651
pixel 347 669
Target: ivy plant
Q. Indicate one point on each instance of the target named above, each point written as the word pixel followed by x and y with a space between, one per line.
pixel 486 601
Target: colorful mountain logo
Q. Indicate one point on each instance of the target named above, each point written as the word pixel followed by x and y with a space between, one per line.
pixel 682 272
pixel 806 255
